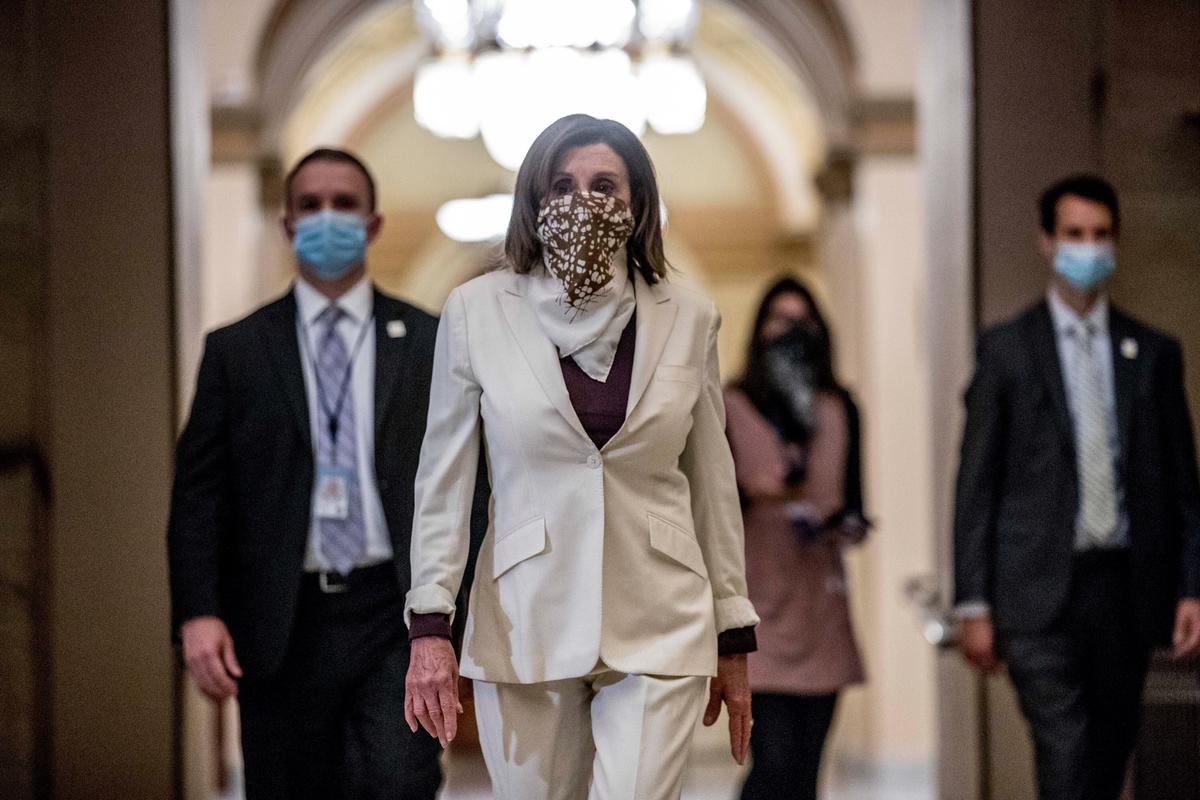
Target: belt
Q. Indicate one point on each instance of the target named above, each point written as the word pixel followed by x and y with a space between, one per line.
pixel 330 582
pixel 1102 558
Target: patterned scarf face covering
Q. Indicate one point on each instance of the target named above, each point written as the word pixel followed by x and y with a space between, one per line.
pixel 580 233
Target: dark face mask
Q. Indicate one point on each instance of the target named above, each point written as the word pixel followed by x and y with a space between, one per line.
pixel 790 363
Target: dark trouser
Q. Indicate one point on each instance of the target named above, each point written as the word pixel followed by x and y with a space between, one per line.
pixel 785 747
pixel 331 724
pixel 1080 683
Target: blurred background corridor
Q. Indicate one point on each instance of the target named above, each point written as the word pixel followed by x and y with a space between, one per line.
pixel 888 152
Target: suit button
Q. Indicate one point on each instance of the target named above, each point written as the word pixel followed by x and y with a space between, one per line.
pixel 594 460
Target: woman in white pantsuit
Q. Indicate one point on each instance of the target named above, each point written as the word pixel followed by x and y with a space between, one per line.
pixel 611 582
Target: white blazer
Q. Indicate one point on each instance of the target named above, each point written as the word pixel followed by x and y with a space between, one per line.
pixel 631 554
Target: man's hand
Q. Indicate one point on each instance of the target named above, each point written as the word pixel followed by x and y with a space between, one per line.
pixel 1187 628
pixel 208 652
pixel 431 688
pixel 733 686
pixel 977 641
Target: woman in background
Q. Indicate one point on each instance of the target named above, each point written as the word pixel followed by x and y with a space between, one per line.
pixel 793 430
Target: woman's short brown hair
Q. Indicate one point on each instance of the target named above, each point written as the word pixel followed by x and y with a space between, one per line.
pixel 523 250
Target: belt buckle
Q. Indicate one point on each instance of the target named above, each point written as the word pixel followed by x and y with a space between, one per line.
pixel 333 582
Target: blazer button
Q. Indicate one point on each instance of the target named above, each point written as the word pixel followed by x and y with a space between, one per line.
pixel 594 461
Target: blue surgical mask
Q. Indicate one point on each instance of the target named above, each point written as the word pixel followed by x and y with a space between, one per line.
pixel 330 243
pixel 1085 265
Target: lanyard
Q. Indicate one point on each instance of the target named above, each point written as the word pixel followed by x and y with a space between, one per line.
pixel 334 413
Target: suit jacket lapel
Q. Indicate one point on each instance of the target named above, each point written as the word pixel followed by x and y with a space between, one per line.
pixel 538 350
pixel 390 352
pixel 655 319
pixel 1125 369
pixel 283 348
pixel 1043 345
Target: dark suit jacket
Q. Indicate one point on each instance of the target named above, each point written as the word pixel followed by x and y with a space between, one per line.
pixel 1017 495
pixel 241 503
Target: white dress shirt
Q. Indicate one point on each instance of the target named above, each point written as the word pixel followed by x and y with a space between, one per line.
pixel 1065 322
pixel 357 304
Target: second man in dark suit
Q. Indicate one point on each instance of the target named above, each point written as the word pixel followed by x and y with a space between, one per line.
pixel 1077 528
pixel 292 510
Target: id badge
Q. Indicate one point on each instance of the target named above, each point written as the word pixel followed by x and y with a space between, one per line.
pixel 333 491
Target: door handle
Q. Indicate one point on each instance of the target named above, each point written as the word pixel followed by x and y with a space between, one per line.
pixel 935 617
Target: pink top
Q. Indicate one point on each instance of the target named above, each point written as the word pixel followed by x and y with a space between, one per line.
pixel 805 639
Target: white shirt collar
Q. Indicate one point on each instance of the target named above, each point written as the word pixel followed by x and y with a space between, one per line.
pixel 1065 318
pixel 356 303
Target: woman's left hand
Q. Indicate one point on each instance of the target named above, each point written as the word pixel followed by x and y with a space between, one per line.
pixel 733 686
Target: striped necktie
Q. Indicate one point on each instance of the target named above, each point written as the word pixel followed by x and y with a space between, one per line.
pixel 343 541
pixel 1097 521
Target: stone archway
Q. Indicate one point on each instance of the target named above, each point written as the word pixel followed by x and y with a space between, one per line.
pixel 811 36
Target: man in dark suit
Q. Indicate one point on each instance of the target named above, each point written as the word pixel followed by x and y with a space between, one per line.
pixel 1077 528
pixel 292 511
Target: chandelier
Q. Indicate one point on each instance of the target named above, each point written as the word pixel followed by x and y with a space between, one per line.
pixel 503 70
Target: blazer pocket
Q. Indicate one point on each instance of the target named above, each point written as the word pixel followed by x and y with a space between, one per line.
pixel 517 545
pixel 682 373
pixel 676 544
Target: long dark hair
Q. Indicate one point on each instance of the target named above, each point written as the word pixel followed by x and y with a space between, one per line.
pixel 523 250
pixel 754 381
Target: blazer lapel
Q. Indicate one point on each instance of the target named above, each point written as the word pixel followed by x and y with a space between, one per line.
pixel 1125 372
pixel 279 335
pixel 390 352
pixel 655 319
pixel 1043 345
pixel 538 350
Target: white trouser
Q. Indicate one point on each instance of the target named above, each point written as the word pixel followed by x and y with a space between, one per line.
pixel 628 734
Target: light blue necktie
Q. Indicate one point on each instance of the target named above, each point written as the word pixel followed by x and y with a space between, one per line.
pixel 343 541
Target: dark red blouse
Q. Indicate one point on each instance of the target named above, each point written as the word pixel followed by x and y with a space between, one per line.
pixel 601 406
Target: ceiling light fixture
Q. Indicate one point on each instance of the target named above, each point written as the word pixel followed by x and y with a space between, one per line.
pixel 505 69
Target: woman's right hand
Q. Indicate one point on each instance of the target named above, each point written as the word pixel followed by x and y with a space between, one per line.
pixel 431 688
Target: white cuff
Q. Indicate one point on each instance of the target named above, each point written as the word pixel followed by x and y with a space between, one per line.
pixel 733 613
pixel 428 599
pixel 972 609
